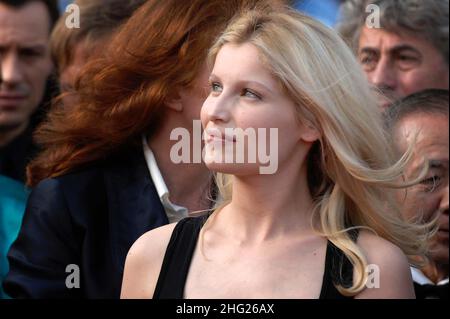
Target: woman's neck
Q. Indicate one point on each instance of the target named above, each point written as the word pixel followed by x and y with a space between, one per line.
pixel 267 206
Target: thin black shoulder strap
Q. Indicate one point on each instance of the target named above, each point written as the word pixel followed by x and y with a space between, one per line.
pixel 177 260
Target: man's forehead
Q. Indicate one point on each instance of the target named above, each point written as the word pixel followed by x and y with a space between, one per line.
pixel 430 133
pixel 377 38
pixel 28 23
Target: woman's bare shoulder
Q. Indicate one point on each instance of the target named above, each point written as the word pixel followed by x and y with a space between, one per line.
pixel 388 265
pixel 144 262
pixel 153 241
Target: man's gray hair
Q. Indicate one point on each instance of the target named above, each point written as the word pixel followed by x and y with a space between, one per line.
pixel 428 19
pixel 430 101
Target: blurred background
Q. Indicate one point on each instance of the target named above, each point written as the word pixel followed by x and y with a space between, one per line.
pixel 323 10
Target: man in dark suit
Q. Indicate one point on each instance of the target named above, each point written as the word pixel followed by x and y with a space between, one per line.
pixel 426 114
pixel 26 65
pixel 25 92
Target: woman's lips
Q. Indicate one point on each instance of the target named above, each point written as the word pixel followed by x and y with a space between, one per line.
pixel 216 135
pixel 214 138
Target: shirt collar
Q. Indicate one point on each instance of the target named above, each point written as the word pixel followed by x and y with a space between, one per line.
pixel 155 173
pixel 174 212
pixel 420 278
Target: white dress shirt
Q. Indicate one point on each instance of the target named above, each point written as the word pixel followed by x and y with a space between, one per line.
pixel 420 278
pixel 174 212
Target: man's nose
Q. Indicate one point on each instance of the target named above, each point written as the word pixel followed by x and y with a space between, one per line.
pixel 384 75
pixel 11 70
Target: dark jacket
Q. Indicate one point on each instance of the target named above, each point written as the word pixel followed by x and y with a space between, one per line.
pixel 15 156
pixel 90 219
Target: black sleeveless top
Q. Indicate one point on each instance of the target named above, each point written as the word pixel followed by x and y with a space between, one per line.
pixel 177 260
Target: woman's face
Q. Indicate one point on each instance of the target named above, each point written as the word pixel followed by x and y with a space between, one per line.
pixel 245 96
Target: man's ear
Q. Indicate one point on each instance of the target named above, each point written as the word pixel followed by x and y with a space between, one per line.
pixel 175 102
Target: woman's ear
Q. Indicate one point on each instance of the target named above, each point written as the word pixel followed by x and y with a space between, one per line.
pixel 309 133
pixel 175 102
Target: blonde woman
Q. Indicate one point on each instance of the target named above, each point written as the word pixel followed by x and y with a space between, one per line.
pixel 321 226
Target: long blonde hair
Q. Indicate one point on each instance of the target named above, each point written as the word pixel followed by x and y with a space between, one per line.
pixel 352 169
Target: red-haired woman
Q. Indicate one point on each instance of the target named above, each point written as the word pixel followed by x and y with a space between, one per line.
pixel 105 175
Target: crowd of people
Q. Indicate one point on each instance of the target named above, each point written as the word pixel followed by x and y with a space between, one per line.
pixel 93 204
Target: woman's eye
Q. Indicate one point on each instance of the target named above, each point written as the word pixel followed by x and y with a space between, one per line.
pixel 248 93
pixel 215 87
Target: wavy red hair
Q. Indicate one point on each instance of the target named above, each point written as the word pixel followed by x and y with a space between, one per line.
pixel 121 95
